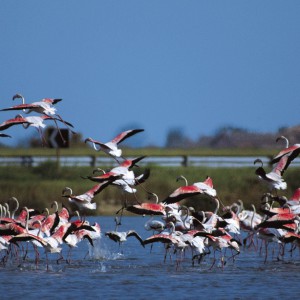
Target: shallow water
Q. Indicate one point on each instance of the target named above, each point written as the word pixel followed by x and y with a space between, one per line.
pixel 133 272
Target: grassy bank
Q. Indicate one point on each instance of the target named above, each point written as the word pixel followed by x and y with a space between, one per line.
pixel 39 186
pixel 77 151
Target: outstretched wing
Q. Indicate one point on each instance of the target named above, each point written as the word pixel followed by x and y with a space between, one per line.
pixel 135 234
pixel 182 193
pixel 125 134
pixel 12 122
pixel 20 107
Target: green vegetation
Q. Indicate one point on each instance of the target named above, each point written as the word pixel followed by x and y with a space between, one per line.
pixel 39 186
pixel 77 151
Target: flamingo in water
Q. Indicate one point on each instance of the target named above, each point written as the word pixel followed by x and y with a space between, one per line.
pixel 111 147
pixel 121 236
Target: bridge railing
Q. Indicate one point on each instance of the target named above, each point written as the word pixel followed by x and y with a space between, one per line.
pixel 166 161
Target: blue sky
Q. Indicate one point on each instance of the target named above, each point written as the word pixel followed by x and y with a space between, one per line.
pixel 157 65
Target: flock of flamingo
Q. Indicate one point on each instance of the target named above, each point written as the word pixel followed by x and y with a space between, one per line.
pixel 179 228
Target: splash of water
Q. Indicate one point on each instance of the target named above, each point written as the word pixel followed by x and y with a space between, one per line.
pixel 101 251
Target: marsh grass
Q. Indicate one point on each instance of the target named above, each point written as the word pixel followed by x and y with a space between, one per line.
pixel 38 187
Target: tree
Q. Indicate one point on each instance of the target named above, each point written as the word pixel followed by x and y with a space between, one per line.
pixel 177 139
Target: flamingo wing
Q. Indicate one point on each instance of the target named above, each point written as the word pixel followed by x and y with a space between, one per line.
pixel 147 209
pixel 21 107
pixel 182 193
pixel 163 238
pixel 110 176
pixel 124 135
pixel 113 235
pixel 24 237
pixel 96 189
pixel 143 177
pixel 11 122
pixel 129 163
pixel 136 235
pixel 292 151
pixel 51 101
pixel 282 165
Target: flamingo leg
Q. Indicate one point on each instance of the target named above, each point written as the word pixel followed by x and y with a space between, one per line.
pixel 64 141
pixel 65 124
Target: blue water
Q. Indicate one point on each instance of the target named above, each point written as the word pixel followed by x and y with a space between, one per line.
pixel 108 271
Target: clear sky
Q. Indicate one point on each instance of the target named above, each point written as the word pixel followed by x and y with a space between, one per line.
pixel 158 65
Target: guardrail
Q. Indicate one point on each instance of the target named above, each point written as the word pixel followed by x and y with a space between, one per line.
pixel 166 161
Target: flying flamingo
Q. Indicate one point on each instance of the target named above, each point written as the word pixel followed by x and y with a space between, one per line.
pixel 38 123
pixel 18 120
pixel 128 180
pixel 147 208
pixel 291 152
pixel 121 236
pixel 84 201
pixel 118 172
pixel 274 178
pixel 182 193
pixel 45 106
pixel 111 147
pixel 206 186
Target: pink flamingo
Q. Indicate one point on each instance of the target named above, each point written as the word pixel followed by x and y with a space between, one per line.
pixel 38 123
pixel 18 120
pixel 291 152
pixel 45 106
pixel 84 201
pixel 111 147
pixel 274 178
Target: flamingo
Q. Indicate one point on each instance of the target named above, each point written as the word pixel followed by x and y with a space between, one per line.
pixel 154 225
pixel 270 235
pixel 84 201
pixel 232 222
pixel 121 171
pixel 44 106
pixel 274 178
pixel 249 219
pixel 219 239
pixel 171 238
pixel 38 123
pixel 18 120
pixel 182 193
pixel 111 147
pixel 51 244
pixel 16 207
pixel 121 236
pixel 146 208
pixel 291 152
pixel 128 180
pixel 205 186
pixel 278 220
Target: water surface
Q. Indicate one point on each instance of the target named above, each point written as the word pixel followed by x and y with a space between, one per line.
pixel 109 271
